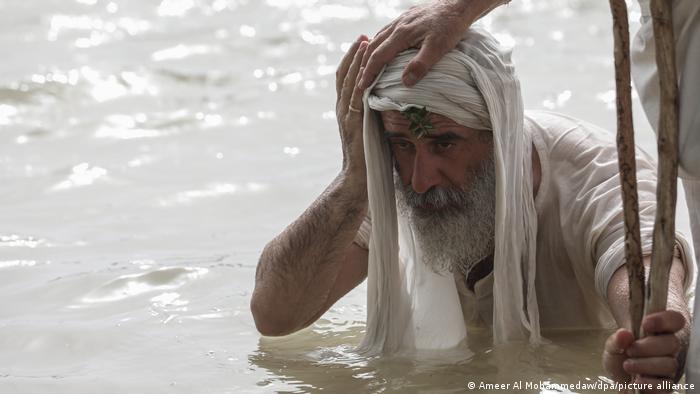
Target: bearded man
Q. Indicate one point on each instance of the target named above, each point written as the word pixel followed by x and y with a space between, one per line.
pixel 462 210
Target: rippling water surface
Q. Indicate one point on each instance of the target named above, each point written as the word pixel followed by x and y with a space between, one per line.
pixel 148 151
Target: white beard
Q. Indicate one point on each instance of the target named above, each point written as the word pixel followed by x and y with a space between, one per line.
pixel 458 231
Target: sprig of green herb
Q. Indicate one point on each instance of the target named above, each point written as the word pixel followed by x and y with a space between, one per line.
pixel 420 121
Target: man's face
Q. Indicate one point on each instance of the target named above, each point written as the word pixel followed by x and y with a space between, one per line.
pixel 445 183
pixel 445 158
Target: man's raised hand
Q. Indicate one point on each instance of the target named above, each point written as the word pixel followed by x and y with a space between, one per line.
pixel 435 28
pixel 349 108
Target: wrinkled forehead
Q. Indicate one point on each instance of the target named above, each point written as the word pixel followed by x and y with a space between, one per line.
pixel 398 122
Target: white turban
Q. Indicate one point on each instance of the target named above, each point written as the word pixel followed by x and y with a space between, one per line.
pixel 408 305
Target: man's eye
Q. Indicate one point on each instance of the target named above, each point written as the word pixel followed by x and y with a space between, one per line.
pixel 443 146
pixel 402 145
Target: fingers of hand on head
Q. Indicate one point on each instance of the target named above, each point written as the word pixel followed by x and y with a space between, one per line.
pixel 345 63
pixel 382 50
pixel 431 51
pixel 405 21
pixel 392 39
pixel 350 82
pixel 373 44
pixel 355 108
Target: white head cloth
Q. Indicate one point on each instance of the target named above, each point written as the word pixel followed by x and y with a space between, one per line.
pixel 408 305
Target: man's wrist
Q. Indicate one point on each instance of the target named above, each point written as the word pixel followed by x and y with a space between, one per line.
pixel 354 176
pixel 471 10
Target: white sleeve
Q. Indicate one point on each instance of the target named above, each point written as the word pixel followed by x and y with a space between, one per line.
pixel 610 248
pixel 592 213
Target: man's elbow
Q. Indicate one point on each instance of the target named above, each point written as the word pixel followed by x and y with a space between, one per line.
pixel 270 323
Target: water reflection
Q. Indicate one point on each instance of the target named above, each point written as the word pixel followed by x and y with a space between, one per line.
pixel 15 240
pixel 247 31
pixel 131 285
pixel 6 113
pixel 81 175
pixel 183 51
pixel 607 97
pixel 97 29
pixel 333 11
pixel 558 102
pixel 291 151
pixel 109 87
pixel 126 127
pixel 140 161
pixel 177 8
pixel 211 191
pixel 315 361
pixel 17 263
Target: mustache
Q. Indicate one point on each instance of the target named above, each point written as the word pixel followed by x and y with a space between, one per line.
pixel 454 226
pixel 436 198
pixel 444 201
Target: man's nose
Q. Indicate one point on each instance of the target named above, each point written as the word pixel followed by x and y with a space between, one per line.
pixel 425 172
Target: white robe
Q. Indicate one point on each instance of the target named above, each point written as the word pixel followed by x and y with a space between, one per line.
pixel 686 29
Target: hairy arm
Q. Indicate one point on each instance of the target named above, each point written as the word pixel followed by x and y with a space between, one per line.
pixel 314 262
pixel 298 270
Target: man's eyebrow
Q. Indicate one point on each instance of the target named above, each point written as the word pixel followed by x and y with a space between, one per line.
pixel 449 135
pixel 394 134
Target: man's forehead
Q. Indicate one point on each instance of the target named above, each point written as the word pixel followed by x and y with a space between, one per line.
pixel 397 122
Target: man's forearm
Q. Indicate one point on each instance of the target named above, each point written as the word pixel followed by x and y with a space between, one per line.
pixel 297 269
pixel 618 291
pixel 473 10
pixel 677 302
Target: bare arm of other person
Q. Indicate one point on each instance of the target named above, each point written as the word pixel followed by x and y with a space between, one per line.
pixel 661 354
pixel 314 262
pixel 435 28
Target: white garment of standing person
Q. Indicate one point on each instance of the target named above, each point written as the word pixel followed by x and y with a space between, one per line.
pixel 686 29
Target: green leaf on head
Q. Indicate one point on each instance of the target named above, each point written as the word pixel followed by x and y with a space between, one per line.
pixel 420 121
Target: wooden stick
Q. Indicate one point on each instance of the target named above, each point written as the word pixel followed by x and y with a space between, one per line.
pixel 664 227
pixel 627 163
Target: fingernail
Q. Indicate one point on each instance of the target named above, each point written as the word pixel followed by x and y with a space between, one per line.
pixel 411 79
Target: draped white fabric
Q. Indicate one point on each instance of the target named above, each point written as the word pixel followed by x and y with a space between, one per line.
pixel 686 30
pixel 409 305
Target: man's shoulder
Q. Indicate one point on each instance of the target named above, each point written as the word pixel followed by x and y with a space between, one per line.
pixel 561 131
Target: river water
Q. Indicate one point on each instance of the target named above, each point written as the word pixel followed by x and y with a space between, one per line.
pixel 148 151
